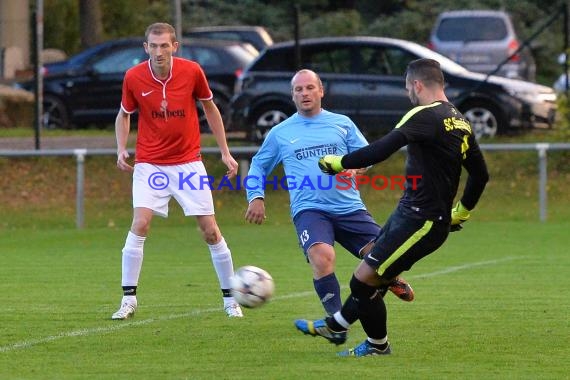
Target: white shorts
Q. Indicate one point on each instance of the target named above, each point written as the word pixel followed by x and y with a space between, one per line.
pixel 154 185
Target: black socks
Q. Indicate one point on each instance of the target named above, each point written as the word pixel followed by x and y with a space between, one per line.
pixel 129 290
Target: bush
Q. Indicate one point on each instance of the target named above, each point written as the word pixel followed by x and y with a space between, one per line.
pixel 563 117
pixel 16 107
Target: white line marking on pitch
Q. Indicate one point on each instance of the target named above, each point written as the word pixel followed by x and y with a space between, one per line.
pixel 466 266
pixel 100 330
pixel 123 325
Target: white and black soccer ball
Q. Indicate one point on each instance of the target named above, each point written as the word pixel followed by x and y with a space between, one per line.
pixel 252 286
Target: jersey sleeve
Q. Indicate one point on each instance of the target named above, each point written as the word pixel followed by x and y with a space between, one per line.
pixel 476 167
pixel 129 103
pixel 355 139
pixel 376 152
pixel 263 163
pixel 201 89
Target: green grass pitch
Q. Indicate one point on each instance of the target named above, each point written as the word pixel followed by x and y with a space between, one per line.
pixel 491 304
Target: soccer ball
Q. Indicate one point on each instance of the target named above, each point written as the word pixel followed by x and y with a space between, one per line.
pixel 252 286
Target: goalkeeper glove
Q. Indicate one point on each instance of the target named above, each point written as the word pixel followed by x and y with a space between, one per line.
pixel 459 214
pixel 330 164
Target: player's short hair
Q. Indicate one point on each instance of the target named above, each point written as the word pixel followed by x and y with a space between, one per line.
pixel 307 71
pixel 160 28
pixel 426 70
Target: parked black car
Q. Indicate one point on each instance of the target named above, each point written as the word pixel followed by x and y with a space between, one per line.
pixel 86 88
pixel 363 77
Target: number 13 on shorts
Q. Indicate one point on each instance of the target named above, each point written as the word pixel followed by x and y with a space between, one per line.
pixel 304 237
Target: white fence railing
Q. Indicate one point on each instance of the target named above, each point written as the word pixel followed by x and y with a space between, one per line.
pixel 244 153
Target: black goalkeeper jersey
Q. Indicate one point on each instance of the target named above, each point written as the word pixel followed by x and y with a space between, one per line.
pixel 439 142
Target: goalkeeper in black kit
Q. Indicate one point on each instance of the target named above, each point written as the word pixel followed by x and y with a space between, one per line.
pixel 439 143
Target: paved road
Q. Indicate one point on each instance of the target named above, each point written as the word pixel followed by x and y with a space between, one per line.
pixel 75 142
pixel 61 142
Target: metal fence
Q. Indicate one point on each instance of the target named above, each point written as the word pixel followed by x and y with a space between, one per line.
pixel 244 154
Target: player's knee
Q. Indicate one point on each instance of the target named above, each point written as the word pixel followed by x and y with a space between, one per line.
pixel 367 248
pixel 322 265
pixel 360 290
pixel 140 226
pixel 209 229
pixel 211 235
pixel 321 255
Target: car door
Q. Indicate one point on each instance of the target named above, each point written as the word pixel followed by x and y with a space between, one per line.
pixel 383 96
pixel 97 93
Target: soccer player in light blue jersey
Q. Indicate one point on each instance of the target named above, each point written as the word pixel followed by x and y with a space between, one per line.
pixel 324 209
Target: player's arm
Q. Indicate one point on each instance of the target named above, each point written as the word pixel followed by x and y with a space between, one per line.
pixel 262 163
pixel 122 128
pixel 354 141
pixel 216 124
pixel 476 167
pixel 376 152
pixel 416 125
pixel 369 155
pixel 478 177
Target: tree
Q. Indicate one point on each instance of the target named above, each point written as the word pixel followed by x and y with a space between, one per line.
pixel 407 19
pixel 90 23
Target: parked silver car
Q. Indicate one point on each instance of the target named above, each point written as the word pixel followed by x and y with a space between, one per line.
pixel 481 40
pixel 257 36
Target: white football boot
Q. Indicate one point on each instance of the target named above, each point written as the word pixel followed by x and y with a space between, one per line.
pixel 127 309
pixel 233 310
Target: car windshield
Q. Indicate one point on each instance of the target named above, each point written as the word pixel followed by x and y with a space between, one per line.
pixel 85 55
pixel 120 60
pixel 472 29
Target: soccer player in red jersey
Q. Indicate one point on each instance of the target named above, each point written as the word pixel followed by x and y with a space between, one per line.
pixel 164 90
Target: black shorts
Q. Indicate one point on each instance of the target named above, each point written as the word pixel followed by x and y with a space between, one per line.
pixel 403 241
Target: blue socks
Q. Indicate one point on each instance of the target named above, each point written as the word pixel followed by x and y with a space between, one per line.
pixel 328 290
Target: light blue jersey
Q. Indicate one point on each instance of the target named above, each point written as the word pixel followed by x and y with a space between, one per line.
pixel 298 143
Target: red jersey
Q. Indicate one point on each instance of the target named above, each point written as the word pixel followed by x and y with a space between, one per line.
pixel 168 128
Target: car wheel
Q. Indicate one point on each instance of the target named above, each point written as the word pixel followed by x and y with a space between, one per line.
pixel 485 119
pixel 223 106
pixel 55 115
pixel 266 118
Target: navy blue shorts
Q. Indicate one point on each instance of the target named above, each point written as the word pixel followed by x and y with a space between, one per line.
pixel 353 231
pixel 403 241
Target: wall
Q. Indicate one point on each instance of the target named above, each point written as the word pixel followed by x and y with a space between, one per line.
pixel 15 34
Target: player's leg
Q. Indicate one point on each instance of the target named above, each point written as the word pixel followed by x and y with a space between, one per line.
pixel 133 251
pixel 322 259
pixel 316 238
pixel 404 242
pixel 357 232
pixel 333 327
pixel 398 286
pixel 199 202
pixel 221 259
pixel 367 302
pixel 146 203
pixel 132 259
